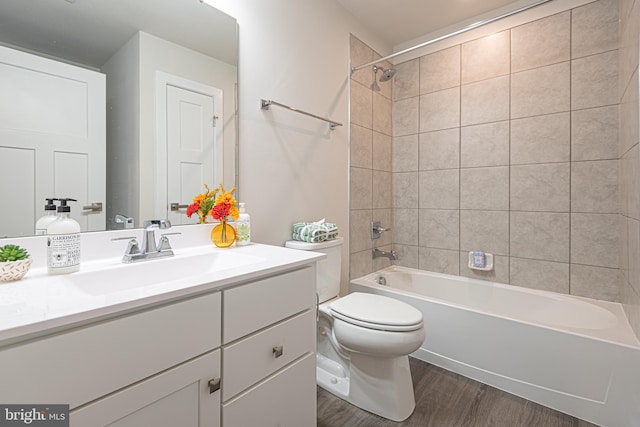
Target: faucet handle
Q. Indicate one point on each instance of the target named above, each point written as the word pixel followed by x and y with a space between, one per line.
pixel 163 244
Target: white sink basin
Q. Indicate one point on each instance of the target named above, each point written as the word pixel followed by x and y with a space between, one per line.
pixel 122 277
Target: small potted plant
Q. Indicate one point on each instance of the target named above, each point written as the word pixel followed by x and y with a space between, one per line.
pixel 14 263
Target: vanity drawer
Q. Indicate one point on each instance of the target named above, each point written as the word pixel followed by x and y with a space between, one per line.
pixel 84 364
pixel 251 359
pixel 253 306
pixel 286 399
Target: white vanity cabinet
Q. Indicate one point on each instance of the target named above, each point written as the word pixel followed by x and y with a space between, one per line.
pixel 242 355
pixel 268 352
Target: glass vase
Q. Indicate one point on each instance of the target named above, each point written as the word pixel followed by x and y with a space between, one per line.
pixel 223 235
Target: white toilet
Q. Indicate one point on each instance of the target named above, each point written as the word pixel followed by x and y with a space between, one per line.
pixel 363 341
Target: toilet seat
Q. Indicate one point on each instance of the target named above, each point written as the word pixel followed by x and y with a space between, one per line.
pixel 376 312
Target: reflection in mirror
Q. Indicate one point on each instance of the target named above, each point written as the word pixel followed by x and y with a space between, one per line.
pixel 127 106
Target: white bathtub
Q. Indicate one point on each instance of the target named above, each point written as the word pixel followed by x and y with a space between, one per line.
pixel 576 355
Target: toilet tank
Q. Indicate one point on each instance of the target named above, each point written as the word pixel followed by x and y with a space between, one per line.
pixel 328 269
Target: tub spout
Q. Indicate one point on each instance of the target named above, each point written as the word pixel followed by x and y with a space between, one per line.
pixel 377 253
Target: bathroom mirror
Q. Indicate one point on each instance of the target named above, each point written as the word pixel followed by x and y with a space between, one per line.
pixel 162 77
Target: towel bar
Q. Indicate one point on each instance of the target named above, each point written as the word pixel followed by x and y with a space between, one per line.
pixel 265 103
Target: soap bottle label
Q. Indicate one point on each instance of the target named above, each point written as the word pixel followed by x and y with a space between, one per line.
pixel 243 233
pixel 63 250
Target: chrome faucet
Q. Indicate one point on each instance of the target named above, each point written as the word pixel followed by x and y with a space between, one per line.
pixel 150 250
pixel 377 253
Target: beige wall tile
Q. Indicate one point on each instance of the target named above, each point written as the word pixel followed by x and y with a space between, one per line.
pixel 595 282
pixel 360 188
pixel 382 197
pixel 629 116
pixel 594 28
pixel 440 228
pixel 485 58
pixel 440 110
pixel 439 261
pixel 594 133
pixel 486 231
pixel 408 256
pixel 406 82
pixel 360 147
pixel 540 235
pixel 542 42
pixel 594 240
pixel 633 250
pixel 631 161
pixel 541 139
pixel 360 54
pixel 360 264
pixel 439 189
pixel 485 188
pixel 594 186
pixel 381 114
pixel 540 187
pixel 382 152
pixel 499 274
pixel 542 275
pixel 405 153
pixel 542 90
pixel 439 149
pixel 406 116
pixel 405 227
pixel 484 145
pixel 405 190
pixel 361 105
pixel 359 230
pixel 485 101
pixel 440 70
pixel 594 80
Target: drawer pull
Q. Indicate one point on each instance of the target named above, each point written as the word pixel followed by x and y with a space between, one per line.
pixel 214 385
pixel 277 351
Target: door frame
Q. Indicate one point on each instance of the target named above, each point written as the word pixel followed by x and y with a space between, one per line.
pixel 162 81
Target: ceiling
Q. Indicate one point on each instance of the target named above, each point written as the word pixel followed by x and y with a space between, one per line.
pixel 400 21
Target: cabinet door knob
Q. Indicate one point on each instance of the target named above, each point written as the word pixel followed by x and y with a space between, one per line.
pixel 277 351
pixel 214 385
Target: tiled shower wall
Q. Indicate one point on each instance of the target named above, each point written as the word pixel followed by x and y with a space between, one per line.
pixel 629 162
pixel 505 144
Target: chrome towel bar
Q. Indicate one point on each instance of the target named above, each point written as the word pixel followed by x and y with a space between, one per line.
pixel 265 103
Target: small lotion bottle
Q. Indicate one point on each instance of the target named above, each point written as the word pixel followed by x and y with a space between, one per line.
pixel 49 216
pixel 63 242
pixel 243 226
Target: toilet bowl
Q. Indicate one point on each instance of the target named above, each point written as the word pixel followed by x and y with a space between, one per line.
pixel 363 341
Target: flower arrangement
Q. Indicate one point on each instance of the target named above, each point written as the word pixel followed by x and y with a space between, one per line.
pixel 217 203
pixel 202 204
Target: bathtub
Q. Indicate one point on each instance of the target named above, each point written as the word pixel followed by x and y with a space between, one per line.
pixel 576 355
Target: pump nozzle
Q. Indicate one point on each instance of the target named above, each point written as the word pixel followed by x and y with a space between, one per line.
pixel 50 206
pixel 63 204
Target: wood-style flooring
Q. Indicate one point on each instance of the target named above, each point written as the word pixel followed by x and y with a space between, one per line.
pixel 445 399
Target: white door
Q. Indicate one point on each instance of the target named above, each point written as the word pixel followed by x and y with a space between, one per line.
pixel 52 140
pixel 193 144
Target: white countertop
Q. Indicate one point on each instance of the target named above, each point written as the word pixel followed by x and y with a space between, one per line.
pixel 41 303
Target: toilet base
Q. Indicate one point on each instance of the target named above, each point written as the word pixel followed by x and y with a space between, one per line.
pixel 381 386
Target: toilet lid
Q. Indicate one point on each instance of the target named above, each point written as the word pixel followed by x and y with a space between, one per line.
pixel 376 312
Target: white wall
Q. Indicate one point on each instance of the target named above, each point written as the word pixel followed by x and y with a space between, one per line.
pixel 292 168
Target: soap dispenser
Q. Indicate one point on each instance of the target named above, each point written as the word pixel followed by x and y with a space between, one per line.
pixel 63 242
pixel 243 235
pixel 49 216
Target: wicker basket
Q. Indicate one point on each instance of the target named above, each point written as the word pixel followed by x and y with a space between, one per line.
pixel 14 270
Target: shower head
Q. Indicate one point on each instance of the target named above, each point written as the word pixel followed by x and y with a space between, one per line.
pixel 386 76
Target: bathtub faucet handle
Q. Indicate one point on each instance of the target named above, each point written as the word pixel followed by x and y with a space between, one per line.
pixel 377 230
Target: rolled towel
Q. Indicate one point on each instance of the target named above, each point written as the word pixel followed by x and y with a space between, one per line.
pixel 314 232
